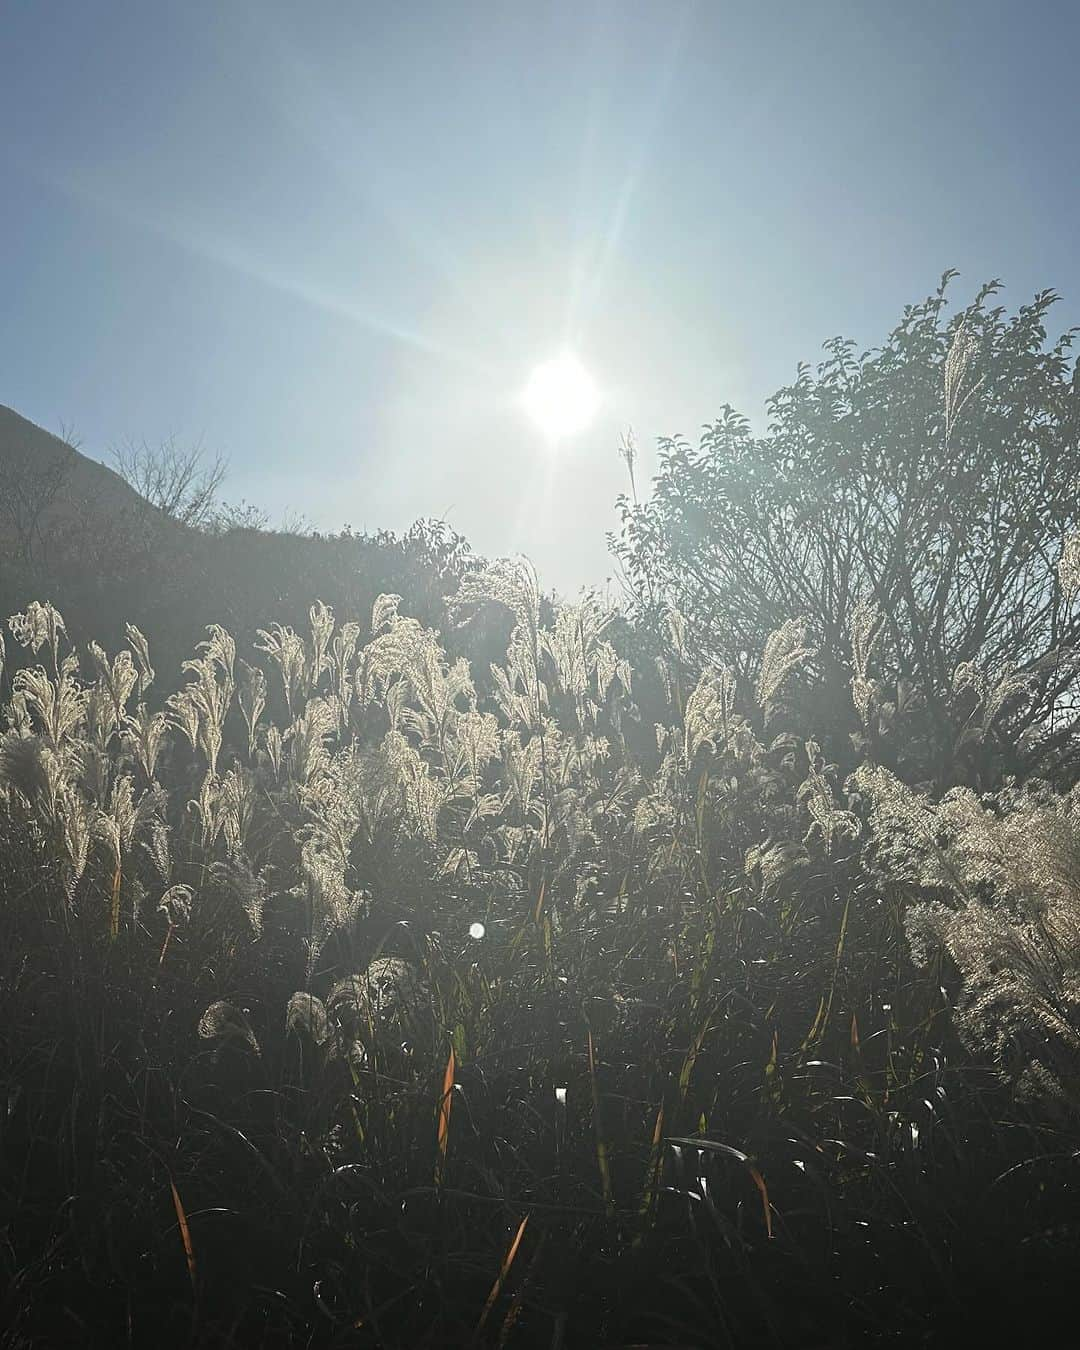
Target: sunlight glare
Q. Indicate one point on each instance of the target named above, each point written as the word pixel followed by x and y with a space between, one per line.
pixel 561 397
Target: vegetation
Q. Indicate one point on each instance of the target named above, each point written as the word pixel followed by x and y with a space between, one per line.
pixel 354 992
pixel 935 477
pixel 182 484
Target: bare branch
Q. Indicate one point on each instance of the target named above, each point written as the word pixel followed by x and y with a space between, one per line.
pixel 182 484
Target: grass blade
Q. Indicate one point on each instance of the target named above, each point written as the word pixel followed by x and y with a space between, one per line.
pixel 714 1146
pixel 821 1021
pixel 185 1232
pixel 114 906
pixel 443 1131
pixel 500 1279
pixel 601 1146
pixel 653 1175
pixel 691 1059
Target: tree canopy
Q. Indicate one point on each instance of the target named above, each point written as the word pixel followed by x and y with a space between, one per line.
pixel 916 498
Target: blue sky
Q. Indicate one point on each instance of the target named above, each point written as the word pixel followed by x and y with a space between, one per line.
pixel 330 241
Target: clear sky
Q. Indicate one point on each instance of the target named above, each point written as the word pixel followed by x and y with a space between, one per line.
pixel 331 241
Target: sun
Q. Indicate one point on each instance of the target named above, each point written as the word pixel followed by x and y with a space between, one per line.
pixel 561 397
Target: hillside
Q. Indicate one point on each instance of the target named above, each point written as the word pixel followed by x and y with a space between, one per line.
pixel 73 532
pixel 48 488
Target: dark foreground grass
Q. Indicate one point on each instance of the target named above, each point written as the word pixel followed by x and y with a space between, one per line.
pixel 159 1189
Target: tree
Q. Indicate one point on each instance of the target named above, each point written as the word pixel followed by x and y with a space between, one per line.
pixel 182 484
pixel 925 488
pixel 32 478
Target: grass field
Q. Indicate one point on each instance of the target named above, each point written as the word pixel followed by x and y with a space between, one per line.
pixel 353 997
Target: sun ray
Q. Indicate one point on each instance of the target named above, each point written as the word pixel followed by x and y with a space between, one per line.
pixel 586 289
pixel 200 242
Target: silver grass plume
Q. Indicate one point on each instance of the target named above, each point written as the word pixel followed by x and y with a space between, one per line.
pixel 828 820
pixel 143 734
pixel 117 680
pixel 1000 883
pixel 58 704
pixel 332 905
pixel 460 861
pixel 342 654
pixel 156 843
pixel 247 886
pixel 308 737
pixel 175 905
pixel 654 810
pixel 586 664
pixel 251 696
pixel 774 863
pixel 382 993
pixel 43 779
pixel 286 650
pixel 125 815
pixel 237 796
pixel 435 690
pixel 200 708
pixel 219 649
pixel 399 653
pixel 99 722
pixel 390 984
pixel 471 744
pixel 676 626
pixel 40 625
pixel 864 630
pixel 958 365
pixel 210 808
pixel 223 1022
pixel 785 650
pixel 76 828
pixel 115 825
pixel 1069 568
pixel 903 829
pixel 521 770
pixel 275 751
pixel 511 582
pixel 29 768
pixel 17 715
pixel 993 691
pixel 394 703
pixel 141 648
pixel 521 695
pixel 422 795
pixel 305 1015
pixel 354 791
pixel 321 618
pixel 384 613
pixel 95 768
pixel 709 713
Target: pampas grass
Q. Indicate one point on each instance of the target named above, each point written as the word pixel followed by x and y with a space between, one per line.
pixel 241 966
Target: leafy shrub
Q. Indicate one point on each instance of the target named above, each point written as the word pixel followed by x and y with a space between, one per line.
pixel 935 478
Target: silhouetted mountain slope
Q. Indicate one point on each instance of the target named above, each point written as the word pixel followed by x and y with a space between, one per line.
pixel 74 532
pixel 48 487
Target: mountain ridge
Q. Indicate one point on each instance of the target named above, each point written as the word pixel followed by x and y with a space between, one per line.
pixel 45 480
pixel 74 532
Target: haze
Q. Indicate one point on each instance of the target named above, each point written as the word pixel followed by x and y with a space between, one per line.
pixel 332 242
